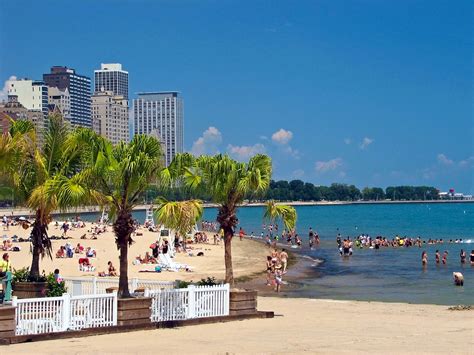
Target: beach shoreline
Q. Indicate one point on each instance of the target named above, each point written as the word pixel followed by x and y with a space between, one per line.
pixel 21 211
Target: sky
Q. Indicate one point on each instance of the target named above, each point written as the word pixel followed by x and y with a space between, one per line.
pixel 366 92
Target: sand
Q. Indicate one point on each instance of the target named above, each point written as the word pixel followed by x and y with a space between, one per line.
pixel 300 326
pixel 248 256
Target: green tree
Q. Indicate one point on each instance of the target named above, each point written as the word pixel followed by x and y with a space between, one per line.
pixel 228 182
pixel 44 178
pixel 119 175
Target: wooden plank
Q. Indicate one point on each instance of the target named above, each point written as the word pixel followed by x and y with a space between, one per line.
pixel 133 303
pixel 133 314
pixel 7 325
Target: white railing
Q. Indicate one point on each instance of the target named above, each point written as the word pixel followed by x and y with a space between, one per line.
pixel 90 286
pixel 40 315
pixel 57 314
pixel 189 303
pixel 93 311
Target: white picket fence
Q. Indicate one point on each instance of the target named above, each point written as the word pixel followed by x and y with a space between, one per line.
pixel 189 303
pixel 91 286
pixel 57 314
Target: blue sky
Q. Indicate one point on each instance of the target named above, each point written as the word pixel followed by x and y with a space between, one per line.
pixel 366 92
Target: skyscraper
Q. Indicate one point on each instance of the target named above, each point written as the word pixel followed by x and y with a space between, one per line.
pixel 161 113
pixel 110 116
pixel 111 77
pixel 79 87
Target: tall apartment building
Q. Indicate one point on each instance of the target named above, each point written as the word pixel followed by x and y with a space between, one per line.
pixel 31 94
pixel 111 77
pixel 161 113
pixel 79 88
pixel 110 116
pixel 60 100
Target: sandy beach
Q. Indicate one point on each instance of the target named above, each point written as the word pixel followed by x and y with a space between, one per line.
pixel 300 326
pixel 248 255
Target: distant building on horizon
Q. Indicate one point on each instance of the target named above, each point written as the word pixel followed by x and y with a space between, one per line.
pixel 60 100
pixel 31 94
pixel 161 114
pixel 110 116
pixel 111 77
pixel 79 89
pixel 13 109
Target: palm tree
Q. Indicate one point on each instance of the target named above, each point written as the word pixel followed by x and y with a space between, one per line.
pixel 44 178
pixel 119 175
pixel 178 215
pixel 228 182
pixel 286 214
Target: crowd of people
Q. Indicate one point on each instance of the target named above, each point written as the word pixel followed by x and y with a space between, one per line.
pixel 277 263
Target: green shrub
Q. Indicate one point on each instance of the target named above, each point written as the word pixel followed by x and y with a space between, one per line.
pixel 183 284
pixel 210 281
pixel 23 275
pixel 54 288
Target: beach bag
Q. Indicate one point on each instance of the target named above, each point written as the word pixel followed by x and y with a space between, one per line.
pixel 157 268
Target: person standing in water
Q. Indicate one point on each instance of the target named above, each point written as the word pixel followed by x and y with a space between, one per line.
pixel 424 258
pixel 462 255
pixel 445 257
pixel 437 257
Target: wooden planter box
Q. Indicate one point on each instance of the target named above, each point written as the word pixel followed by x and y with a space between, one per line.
pixel 134 311
pixel 242 302
pixel 29 289
pixel 7 321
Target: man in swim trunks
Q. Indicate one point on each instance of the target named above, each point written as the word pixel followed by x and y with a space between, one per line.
pixel 284 259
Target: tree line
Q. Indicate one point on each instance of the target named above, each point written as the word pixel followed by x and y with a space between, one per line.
pixel 297 190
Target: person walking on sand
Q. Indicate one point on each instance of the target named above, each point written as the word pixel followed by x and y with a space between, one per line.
pixel 269 270
pixel 284 259
pixel 437 257
pixel 278 277
pixel 241 233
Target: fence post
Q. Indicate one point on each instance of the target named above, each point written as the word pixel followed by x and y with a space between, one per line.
pixel 191 301
pixel 114 310
pixel 134 284
pixel 66 316
pixel 227 299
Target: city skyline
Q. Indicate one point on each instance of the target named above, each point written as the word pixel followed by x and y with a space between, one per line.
pixel 331 92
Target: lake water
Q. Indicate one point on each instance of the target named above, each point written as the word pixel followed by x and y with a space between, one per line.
pixel 387 274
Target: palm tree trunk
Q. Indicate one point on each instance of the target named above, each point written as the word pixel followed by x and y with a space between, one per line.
pixel 124 292
pixel 123 228
pixel 40 244
pixel 34 269
pixel 229 271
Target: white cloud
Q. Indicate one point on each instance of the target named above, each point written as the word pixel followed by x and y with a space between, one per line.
pixel 298 173
pixel 264 138
pixel 208 143
pixel 366 142
pixel 282 136
pixel 347 141
pixel 293 152
pixel 244 152
pixel 325 166
pixel 4 91
pixel 443 159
